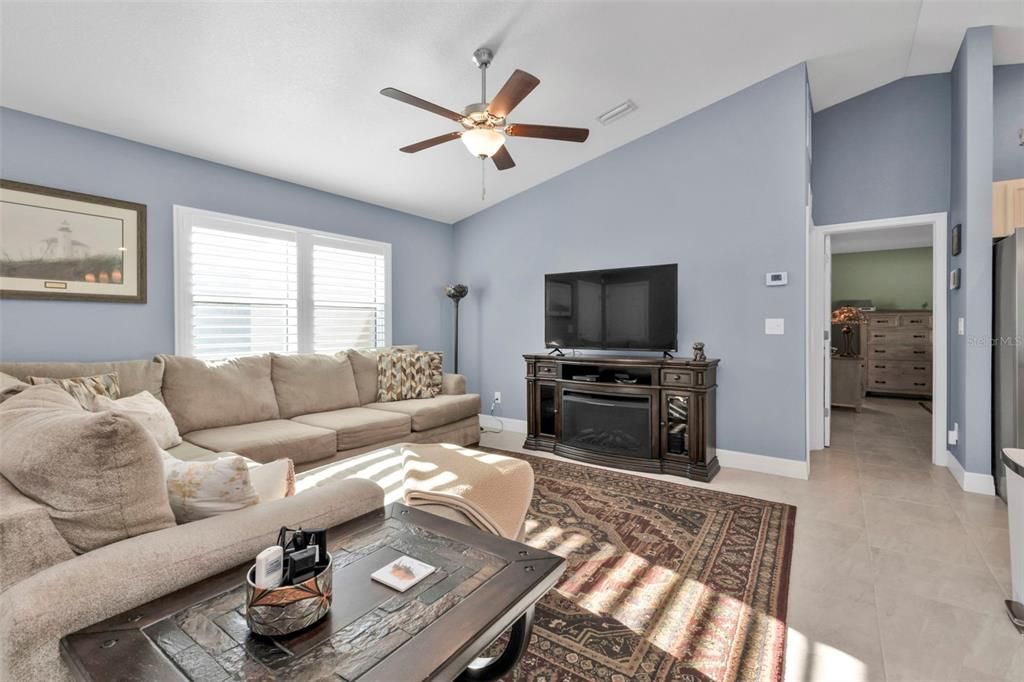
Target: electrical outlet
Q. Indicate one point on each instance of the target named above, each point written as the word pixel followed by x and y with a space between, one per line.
pixel 953 436
pixel 497 397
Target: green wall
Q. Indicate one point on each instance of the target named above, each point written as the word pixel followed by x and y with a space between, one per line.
pixel 898 279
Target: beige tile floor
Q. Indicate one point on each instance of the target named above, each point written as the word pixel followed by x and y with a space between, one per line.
pixel 897 573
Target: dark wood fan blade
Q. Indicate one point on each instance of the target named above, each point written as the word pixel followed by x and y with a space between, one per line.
pixel 516 88
pixel 502 159
pixel 432 142
pixel 421 103
pixel 547 132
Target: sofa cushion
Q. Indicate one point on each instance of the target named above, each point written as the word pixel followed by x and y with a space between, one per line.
pixel 10 386
pixel 358 426
pixel 269 440
pixel 313 382
pixel 29 542
pixel 188 452
pixel 428 413
pixel 133 376
pixel 202 395
pixel 99 474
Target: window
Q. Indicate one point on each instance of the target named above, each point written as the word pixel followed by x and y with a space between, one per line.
pixel 247 286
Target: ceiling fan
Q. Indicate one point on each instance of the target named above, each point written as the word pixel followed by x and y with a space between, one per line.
pixel 485 124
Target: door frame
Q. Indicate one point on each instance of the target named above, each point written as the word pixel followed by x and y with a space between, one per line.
pixel 820 321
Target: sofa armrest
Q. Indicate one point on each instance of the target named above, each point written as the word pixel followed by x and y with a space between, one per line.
pixel 453 384
pixel 29 542
pixel 61 599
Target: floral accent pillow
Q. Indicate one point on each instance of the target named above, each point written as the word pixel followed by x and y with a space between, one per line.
pixel 197 490
pixel 406 375
pixel 83 388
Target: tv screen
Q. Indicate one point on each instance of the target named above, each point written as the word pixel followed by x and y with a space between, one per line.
pixel 621 309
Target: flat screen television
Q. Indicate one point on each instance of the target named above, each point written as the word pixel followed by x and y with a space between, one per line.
pixel 621 309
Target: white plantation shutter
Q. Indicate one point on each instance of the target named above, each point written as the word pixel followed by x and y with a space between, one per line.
pixel 349 296
pixel 245 286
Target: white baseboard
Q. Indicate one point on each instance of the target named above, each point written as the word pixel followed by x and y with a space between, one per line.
pixel 764 464
pixel 982 484
pixel 507 424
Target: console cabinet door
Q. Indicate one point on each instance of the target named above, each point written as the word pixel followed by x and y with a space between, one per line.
pixel 676 424
pixel 546 406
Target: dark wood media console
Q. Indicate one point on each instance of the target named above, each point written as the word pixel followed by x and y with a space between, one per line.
pixel 640 413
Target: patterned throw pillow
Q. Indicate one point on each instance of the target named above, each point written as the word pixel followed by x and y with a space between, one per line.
pixel 405 375
pixel 197 490
pixel 83 388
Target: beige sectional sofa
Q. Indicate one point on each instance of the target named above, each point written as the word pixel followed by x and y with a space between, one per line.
pixel 310 408
pixel 48 591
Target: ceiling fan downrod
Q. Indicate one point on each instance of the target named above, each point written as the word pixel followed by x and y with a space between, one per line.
pixel 482 57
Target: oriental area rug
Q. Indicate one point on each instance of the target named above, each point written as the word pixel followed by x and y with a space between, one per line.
pixel 665 581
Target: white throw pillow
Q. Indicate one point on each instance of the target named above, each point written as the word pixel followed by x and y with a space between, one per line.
pixel 146 410
pixel 197 490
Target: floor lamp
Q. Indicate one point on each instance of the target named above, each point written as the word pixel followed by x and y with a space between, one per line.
pixel 456 292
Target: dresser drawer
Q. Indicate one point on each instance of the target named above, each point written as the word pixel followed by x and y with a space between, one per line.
pixel 678 377
pixel 916 370
pixel 898 353
pixel 894 381
pixel 884 321
pixel 900 337
pixel 915 321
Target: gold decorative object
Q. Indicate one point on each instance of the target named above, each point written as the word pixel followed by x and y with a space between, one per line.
pixel 847 316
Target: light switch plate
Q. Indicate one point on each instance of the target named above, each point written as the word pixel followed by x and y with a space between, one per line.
pixel 960 329
pixel 953 436
pixel 774 325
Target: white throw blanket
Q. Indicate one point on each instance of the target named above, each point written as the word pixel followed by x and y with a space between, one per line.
pixel 494 491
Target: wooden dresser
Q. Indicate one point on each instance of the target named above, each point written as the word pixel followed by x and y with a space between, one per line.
pixel 899 352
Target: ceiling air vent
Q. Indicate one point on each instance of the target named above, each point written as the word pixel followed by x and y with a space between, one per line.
pixel 617 112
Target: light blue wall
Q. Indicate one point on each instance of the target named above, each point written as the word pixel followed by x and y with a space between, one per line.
pixel 883 154
pixel 720 192
pixel 1008 115
pixel 970 355
pixel 45 152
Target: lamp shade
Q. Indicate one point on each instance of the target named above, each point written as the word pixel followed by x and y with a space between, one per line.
pixel 847 314
pixel 483 141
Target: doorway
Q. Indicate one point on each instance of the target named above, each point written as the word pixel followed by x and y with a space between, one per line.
pixel 911 231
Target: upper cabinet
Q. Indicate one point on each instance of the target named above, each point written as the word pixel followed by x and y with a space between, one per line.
pixel 1007 207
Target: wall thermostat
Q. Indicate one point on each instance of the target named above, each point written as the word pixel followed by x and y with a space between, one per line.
pixel 776 279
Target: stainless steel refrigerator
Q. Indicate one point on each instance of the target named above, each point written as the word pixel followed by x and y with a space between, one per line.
pixel 1008 352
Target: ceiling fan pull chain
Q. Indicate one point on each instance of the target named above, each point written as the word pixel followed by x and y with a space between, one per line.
pixel 483 179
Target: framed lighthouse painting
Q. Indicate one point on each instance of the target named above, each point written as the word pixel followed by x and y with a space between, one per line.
pixel 56 244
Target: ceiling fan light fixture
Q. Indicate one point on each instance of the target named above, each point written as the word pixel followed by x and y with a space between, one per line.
pixel 483 142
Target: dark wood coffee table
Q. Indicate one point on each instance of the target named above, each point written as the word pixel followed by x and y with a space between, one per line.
pixel 437 629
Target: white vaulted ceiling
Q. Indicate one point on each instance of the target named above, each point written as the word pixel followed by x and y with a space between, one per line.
pixel 290 90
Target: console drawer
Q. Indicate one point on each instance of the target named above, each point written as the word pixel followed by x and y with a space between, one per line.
pixel 545 369
pixel 678 377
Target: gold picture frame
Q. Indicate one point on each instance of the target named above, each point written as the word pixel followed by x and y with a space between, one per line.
pixel 62 245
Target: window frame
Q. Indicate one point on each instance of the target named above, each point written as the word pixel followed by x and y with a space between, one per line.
pixel 184 219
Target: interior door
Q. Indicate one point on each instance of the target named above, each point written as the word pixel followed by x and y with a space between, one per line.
pixel 826 334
